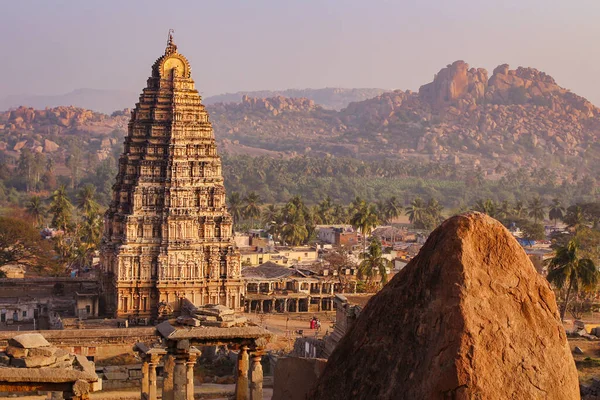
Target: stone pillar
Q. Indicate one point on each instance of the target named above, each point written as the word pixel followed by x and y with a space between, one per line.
pixel 179 372
pixel 193 356
pixel 145 378
pixel 256 377
pixel 241 383
pixel 152 379
pixel 167 393
pixel 179 379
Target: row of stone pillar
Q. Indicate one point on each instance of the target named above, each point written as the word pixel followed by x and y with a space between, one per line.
pixel 178 382
pixel 255 391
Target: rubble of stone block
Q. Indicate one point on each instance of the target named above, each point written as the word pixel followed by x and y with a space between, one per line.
pixel 30 361
pixel 468 318
pixel 213 315
pixel 32 350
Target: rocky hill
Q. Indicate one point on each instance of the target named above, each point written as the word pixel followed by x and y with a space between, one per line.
pixel 508 117
pixel 515 118
pixel 329 98
pixel 511 119
pixel 52 130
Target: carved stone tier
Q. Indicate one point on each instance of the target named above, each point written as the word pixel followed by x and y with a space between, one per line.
pixel 167 232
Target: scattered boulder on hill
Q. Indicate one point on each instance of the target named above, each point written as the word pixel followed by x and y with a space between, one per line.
pixel 455 82
pixel 468 318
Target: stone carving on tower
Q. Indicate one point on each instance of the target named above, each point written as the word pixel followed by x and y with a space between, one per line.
pixel 167 232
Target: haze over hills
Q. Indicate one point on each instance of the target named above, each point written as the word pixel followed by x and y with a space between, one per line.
pixel 512 119
pixel 107 101
pixel 330 98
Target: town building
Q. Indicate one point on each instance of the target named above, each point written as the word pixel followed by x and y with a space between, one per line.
pixel 339 235
pixel 273 288
pixel 282 255
pixel 167 232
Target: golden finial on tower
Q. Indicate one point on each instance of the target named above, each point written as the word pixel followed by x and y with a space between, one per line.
pixel 171 46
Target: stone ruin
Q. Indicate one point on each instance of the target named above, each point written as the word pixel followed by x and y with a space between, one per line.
pixel 468 318
pixel 213 315
pixel 30 363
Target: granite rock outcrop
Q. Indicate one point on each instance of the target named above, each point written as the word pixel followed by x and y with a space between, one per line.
pixel 468 318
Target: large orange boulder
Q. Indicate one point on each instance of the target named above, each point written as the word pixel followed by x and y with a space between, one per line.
pixel 468 318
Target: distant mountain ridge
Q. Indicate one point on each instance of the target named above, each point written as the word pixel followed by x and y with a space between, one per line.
pixel 107 101
pixel 328 98
pixel 99 100
pixel 512 119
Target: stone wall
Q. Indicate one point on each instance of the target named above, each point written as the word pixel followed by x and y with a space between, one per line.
pixel 98 344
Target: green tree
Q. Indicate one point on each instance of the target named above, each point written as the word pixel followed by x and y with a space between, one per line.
pixel 416 212
pixel 433 214
pixel 557 211
pixel 487 206
pixel 293 229
pixel 567 268
pixel 575 217
pixel 534 231
pixel 35 209
pixel 20 243
pixel 26 168
pixel 61 208
pixel 325 210
pixel 364 219
pixel 86 200
pixel 252 206
pixel 74 162
pixel 236 206
pixel 392 208
pixel 373 262
pixel 519 209
pixel 537 209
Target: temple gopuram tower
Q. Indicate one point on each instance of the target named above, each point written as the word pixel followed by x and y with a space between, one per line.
pixel 167 232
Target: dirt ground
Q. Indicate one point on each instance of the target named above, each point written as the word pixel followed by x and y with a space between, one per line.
pixel 287 326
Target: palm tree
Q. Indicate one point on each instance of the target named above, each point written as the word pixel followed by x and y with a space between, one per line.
pixel 505 210
pixel 364 219
pixel 537 209
pixel 519 209
pixel 270 214
pixel 252 206
pixel 294 233
pixel 380 210
pixel 235 207
pixel 557 211
pixel 434 210
pixel 487 206
pixel 416 211
pixel 392 208
pixel 567 268
pixel 574 217
pixel 60 207
pixel 325 211
pixel 36 209
pixel 86 200
pixel 373 262
pixel 294 230
pixel 340 214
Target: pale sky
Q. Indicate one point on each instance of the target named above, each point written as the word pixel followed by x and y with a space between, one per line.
pixel 53 47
